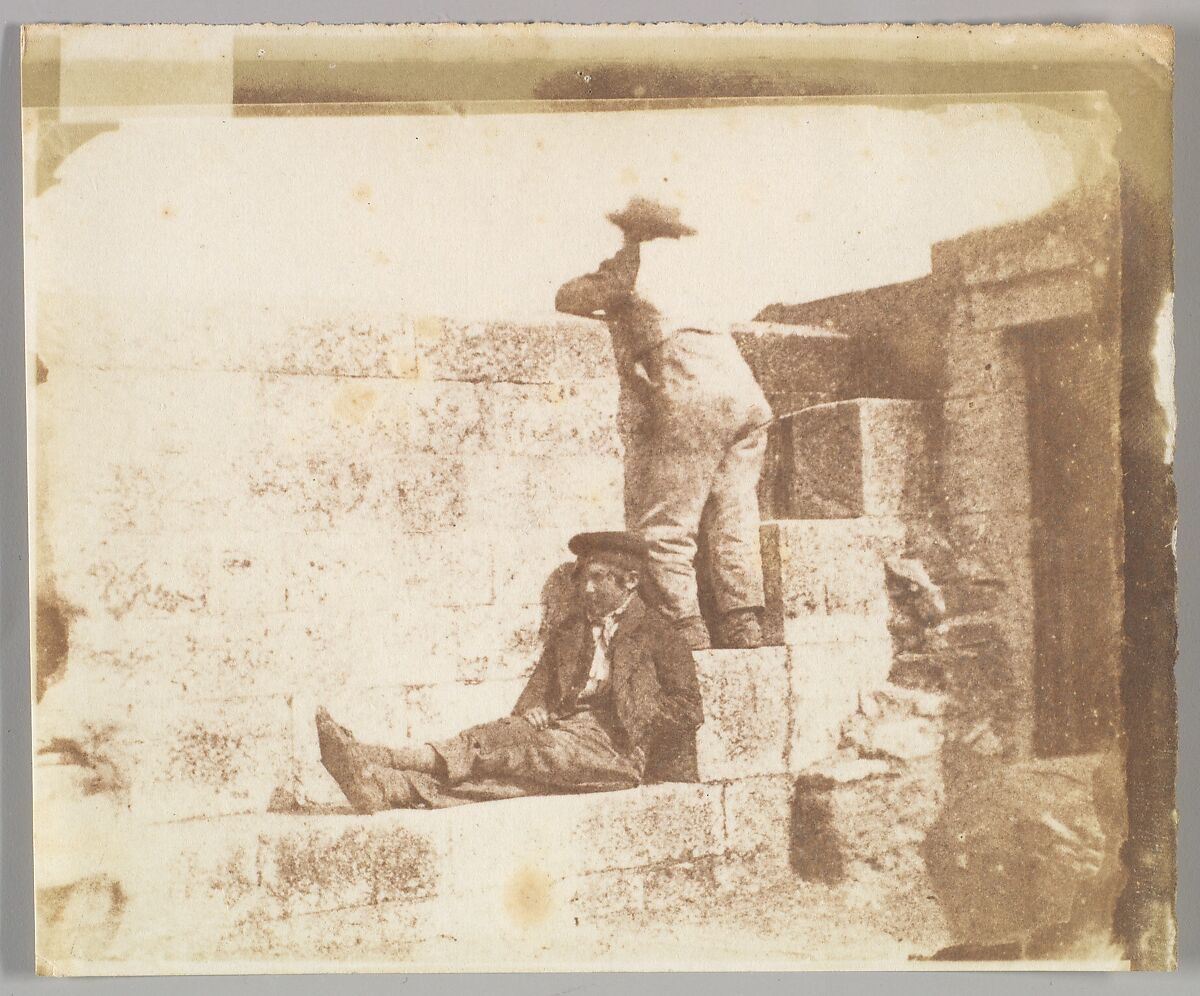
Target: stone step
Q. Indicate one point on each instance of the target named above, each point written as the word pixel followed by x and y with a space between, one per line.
pixel 825 578
pixel 866 456
pixel 210 888
pixel 768 710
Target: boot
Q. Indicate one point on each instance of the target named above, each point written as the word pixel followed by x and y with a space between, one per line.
pixel 694 633
pixel 341 760
pixel 741 629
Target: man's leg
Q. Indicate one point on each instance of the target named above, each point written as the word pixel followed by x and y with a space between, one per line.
pixel 670 477
pixel 509 755
pixel 574 754
pixel 731 537
pixel 372 777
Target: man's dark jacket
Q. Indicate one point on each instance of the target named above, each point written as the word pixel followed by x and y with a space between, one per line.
pixel 655 694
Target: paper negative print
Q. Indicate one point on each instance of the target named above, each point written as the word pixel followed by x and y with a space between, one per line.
pixel 545 497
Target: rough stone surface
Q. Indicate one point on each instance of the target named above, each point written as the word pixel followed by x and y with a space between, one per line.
pixel 825 578
pixel 863 457
pixel 984 363
pixel 1028 852
pixel 1048 298
pixel 501 352
pixel 985 465
pixel 796 365
pixel 746 712
pixel 757 816
pixel 828 681
pixel 1076 231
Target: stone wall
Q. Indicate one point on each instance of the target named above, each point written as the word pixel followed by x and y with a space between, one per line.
pixel 244 512
pixel 1001 708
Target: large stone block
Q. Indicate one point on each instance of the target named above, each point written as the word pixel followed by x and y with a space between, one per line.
pixel 319 337
pixel 564 835
pixel 167 755
pixel 746 714
pixel 758 816
pixel 556 352
pixel 518 493
pixel 135 576
pixel 194 885
pixel 199 760
pixel 496 642
pixel 532 564
pixel 1078 231
pixel 985 458
pixel 366 414
pixel 366 491
pixel 862 457
pixel 825 578
pixel 863 817
pixel 797 365
pixel 1032 300
pixel 554 419
pixel 330 342
pixel 382 934
pixel 984 363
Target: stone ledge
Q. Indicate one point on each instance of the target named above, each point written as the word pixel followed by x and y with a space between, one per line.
pixel 235 884
pixel 791 377
pixel 1036 299
pixel 1078 230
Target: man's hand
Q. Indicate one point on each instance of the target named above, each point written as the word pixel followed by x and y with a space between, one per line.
pixel 538 718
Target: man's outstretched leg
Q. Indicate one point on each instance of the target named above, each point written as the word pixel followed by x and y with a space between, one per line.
pixel 500 759
pixel 370 776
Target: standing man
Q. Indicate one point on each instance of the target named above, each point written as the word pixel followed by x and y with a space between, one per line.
pixel 613 702
pixel 692 419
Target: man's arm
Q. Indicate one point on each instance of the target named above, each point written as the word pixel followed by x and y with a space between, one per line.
pixel 541 691
pixel 680 708
pixel 605 290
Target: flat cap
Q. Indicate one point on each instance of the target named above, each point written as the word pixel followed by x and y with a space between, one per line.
pixel 622 544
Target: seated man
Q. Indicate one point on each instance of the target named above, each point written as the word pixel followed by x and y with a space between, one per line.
pixel 612 703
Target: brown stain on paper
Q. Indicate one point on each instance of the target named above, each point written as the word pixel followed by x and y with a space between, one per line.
pixel 528 897
pixel 354 402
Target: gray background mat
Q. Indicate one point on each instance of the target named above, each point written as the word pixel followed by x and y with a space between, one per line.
pixel 16 881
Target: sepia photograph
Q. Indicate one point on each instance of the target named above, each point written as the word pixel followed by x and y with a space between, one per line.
pixel 545 497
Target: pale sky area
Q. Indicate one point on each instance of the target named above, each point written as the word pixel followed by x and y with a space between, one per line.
pixel 484 216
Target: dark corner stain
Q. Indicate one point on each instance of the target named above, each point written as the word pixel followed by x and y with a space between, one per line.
pixel 54 617
pixel 42 371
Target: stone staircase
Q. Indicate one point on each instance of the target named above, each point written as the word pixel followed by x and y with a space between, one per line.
pixel 524 877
